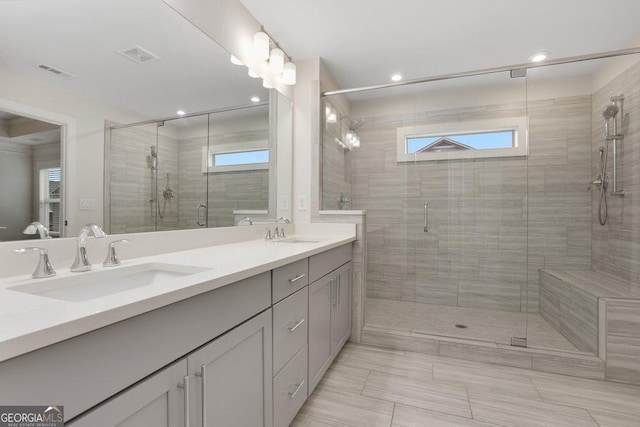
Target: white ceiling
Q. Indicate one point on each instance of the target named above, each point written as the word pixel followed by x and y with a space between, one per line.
pixel 364 41
pixel 83 38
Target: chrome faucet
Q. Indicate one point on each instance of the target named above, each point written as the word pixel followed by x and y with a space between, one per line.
pixel 279 233
pixel 245 220
pixel 81 262
pixel 112 259
pixel 37 227
pixel 342 200
pixel 44 268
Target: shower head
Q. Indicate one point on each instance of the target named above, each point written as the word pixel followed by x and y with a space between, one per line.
pixel 610 111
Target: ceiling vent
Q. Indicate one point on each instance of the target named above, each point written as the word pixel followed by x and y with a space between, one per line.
pixel 138 54
pixel 54 70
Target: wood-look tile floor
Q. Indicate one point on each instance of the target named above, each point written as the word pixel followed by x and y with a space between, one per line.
pixel 370 386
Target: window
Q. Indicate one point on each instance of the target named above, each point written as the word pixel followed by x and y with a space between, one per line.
pixel 235 157
pixel 49 199
pixel 463 140
pixel 240 158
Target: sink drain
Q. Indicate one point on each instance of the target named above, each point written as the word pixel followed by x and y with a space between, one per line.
pixel 461 326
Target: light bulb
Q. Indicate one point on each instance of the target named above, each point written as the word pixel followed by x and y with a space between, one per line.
pixel 276 61
pixel 261 45
pixel 266 84
pixel 289 74
pixel 539 57
pixel 235 61
pixel 253 74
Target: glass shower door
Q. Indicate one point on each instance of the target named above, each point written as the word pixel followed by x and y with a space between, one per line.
pixel 467 208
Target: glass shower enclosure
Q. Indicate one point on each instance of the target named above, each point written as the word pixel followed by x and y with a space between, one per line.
pixel 472 186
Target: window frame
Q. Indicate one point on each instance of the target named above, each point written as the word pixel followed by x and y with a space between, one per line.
pixel 516 124
pixel 211 152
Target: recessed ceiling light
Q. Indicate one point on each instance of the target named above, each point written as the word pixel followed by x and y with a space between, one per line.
pixel 396 77
pixel 255 99
pixel 180 113
pixel 539 57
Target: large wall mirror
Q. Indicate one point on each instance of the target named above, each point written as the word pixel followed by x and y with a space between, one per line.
pixel 107 64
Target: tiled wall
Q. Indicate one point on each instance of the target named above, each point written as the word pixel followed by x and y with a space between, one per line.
pixel 131 210
pixel 336 173
pixel 486 241
pixel 228 191
pixel 616 246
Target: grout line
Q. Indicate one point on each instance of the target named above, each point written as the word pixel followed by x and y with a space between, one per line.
pixel 594 420
pixel 393 414
pixel 365 382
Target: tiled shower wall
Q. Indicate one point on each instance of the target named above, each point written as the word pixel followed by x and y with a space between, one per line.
pixel 486 240
pixel 131 210
pixel 616 246
pixel 336 173
pixel 228 191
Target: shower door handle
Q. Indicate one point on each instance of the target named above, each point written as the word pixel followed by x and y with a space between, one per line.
pixel 426 217
pixel 198 221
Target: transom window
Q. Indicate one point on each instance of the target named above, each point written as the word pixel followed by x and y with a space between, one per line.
pixel 463 140
pixel 235 157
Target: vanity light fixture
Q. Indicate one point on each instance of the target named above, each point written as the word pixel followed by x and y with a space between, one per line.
pixel 396 77
pixel 261 42
pixel 330 113
pixel 539 57
pixel 289 74
pixel 276 61
pixel 253 74
pixel 255 99
pixel 235 61
pixel 180 113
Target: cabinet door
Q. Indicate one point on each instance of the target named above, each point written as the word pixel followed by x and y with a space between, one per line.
pixel 321 296
pixel 156 401
pixel 341 319
pixel 233 377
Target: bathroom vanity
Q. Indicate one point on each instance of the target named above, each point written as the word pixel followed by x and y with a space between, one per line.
pixel 245 349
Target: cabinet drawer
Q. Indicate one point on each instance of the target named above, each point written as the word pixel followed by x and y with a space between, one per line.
pixel 290 389
pixel 289 278
pixel 289 327
pixel 325 262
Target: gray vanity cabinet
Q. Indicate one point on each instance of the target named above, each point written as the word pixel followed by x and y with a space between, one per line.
pixel 320 293
pixel 329 312
pixel 341 321
pixel 156 401
pixel 232 380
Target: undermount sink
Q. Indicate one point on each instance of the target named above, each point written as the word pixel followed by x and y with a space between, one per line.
pixel 299 240
pixel 96 284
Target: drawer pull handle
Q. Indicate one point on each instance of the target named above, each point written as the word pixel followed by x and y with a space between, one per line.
pixel 185 387
pixel 298 277
pixel 294 327
pixel 298 387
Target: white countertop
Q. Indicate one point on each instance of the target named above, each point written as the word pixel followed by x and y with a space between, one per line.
pixel 29 322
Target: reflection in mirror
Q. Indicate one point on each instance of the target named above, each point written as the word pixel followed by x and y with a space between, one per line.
pixel 191 172
pixel 119 61
pixel 30 171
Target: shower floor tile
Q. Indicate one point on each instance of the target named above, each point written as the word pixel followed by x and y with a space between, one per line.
pixel 481 324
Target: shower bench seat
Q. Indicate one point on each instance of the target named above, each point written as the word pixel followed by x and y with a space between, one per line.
pixel 599 313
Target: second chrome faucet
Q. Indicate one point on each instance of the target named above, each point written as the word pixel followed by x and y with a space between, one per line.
pixel 81 262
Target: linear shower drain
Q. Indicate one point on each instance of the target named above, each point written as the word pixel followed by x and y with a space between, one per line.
pixel 461 326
